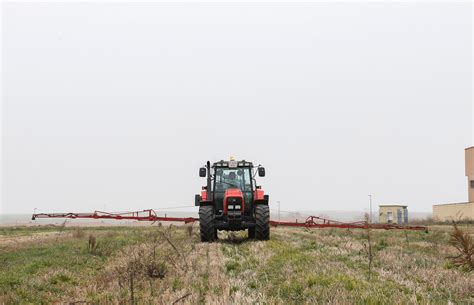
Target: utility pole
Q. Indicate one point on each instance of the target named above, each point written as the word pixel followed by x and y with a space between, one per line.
pixel 370 215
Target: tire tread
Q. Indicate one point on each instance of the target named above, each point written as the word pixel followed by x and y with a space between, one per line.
pixel 206 223
pixel 262 222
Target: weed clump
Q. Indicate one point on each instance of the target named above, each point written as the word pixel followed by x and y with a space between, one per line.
pixel 92 245
pixel 104 248
pixel 78 233
pixel 464 245
pixel 381 244
pixel 152 260
pixel 189 229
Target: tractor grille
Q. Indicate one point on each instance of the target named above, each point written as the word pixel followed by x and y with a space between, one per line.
pixel 234 204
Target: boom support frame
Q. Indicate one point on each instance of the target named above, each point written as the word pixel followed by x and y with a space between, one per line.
pixel 152 216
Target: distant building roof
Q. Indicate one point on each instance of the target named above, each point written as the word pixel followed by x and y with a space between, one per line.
pixel 393 205
pixel 452 203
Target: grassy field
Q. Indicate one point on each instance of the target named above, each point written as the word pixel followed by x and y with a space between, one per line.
pixel 169 265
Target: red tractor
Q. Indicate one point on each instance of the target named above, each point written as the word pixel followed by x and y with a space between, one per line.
pixel 232 200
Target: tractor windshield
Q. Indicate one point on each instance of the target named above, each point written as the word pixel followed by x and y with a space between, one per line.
pixel 227 178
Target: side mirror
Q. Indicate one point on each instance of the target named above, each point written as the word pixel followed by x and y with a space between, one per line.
pixel 261 171
pixel 202 172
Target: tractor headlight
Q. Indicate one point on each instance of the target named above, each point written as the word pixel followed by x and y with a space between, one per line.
pixel 237 207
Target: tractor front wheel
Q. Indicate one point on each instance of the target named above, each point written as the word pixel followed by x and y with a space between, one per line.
pixel 206 223
pixel 252 233
pixel 262 222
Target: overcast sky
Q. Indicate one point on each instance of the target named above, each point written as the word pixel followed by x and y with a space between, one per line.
pixel 116 106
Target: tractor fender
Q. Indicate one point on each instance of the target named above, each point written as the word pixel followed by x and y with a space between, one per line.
pixel 264 201
pixel 199 202
pixel 206 203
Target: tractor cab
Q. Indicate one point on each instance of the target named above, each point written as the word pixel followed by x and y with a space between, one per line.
pixel 233 182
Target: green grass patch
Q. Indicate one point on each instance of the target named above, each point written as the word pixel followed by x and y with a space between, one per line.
pixel 42 272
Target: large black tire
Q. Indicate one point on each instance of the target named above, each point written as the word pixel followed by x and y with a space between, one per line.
pixel 252 233
pixel 262 222
pixel 206 223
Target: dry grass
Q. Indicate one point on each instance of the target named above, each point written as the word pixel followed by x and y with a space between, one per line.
pixel 162 265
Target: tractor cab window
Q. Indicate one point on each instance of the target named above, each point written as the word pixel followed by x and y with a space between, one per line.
pixel 227 178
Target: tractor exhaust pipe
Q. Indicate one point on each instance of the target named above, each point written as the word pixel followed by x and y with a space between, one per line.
pixel 208 190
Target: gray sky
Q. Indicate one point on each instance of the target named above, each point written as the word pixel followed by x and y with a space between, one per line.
pixel 118 105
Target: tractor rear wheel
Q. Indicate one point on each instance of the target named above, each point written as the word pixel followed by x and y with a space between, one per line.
pixel 206 223
pixel 262 222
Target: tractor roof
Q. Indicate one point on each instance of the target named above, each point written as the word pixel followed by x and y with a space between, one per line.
pixel 232 164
